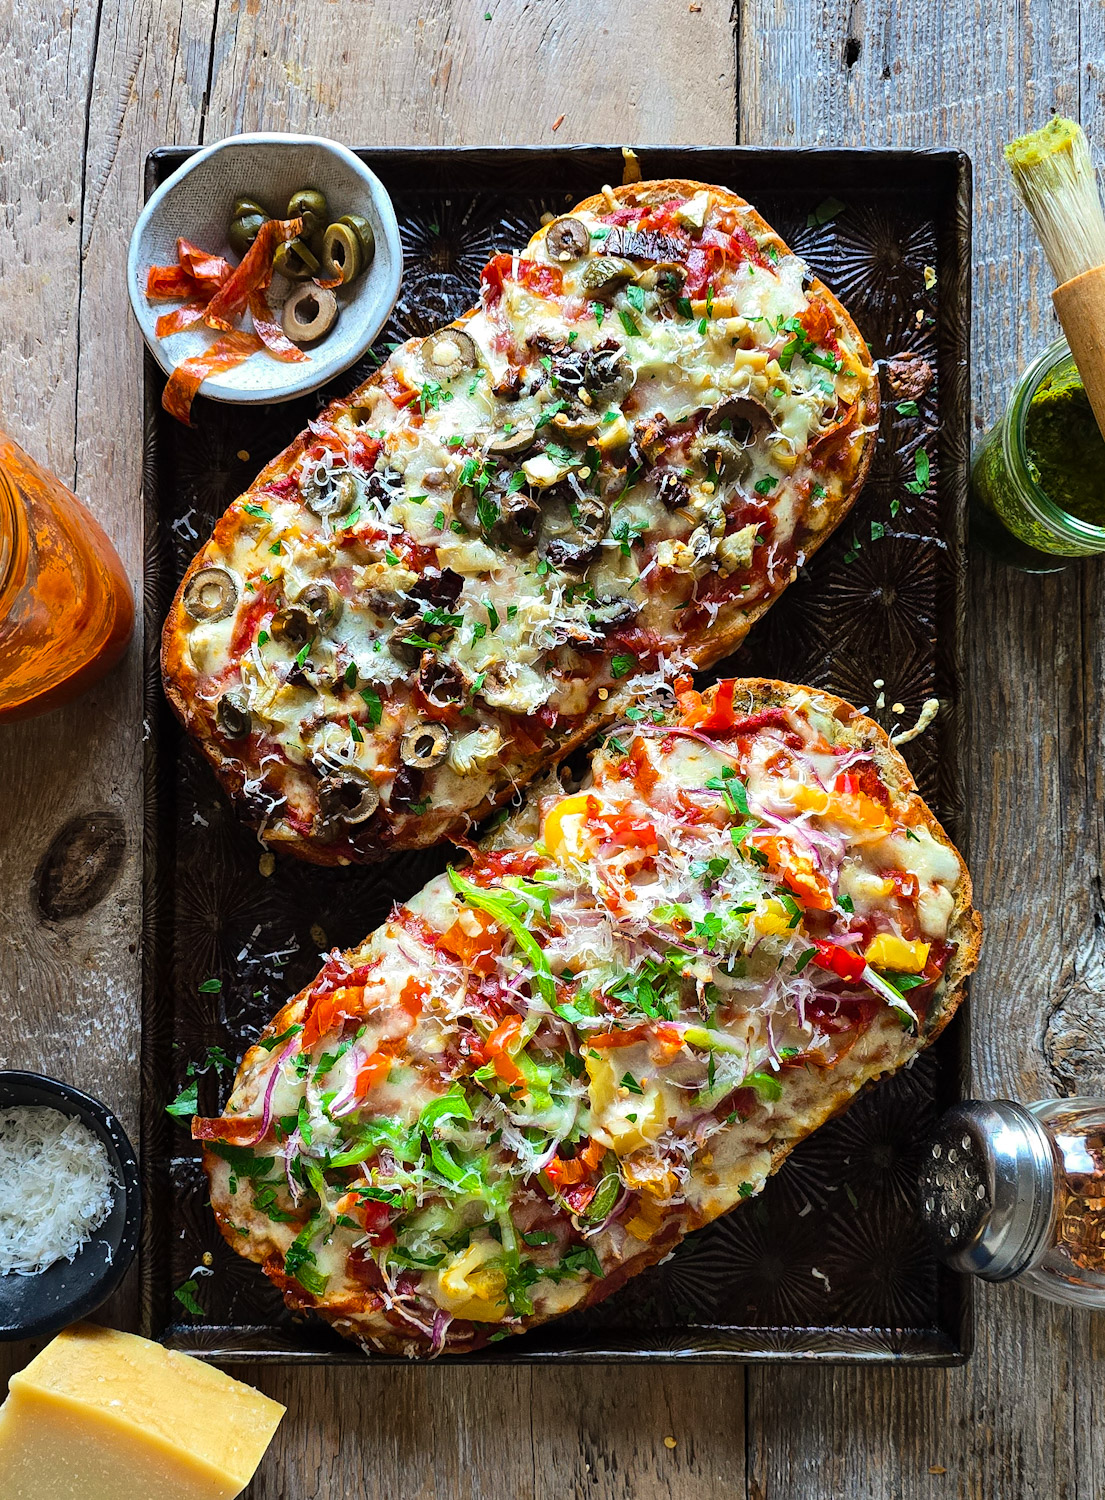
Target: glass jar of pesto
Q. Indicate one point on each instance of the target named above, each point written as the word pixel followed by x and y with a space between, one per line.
pixel 1038 476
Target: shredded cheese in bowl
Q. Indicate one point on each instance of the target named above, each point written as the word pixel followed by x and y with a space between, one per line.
pixel 57 1187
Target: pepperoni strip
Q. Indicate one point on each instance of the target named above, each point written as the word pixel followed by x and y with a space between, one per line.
pixel 225 354
pixel 253 274
pixel 269 331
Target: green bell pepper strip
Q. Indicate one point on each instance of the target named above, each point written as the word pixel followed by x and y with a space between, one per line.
pixel 498 907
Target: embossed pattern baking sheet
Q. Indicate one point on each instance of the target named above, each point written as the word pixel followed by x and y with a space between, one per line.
pixel 829 1262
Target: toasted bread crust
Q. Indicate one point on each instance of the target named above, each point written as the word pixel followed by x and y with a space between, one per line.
pixel 407 830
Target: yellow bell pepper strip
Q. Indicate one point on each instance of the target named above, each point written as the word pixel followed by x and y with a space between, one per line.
pixel 500 909
pixel 885 951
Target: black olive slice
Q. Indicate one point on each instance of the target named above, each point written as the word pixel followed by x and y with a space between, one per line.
pixel 567 239
pixel 441 589
pixel 347 797
pixel 211 594
pixel 233 717
pixel 448 352
pixel 424 745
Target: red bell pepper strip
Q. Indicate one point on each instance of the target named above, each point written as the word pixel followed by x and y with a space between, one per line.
pixel 227 353
pixel 839 961
pixel 720 715
pixel 496 1049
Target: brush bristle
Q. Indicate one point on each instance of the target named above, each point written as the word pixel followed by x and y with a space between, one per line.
pixel 1055 177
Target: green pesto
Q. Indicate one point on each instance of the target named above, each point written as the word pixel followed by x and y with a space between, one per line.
pixel 1064 446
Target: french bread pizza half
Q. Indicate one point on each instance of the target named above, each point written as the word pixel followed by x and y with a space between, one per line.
pixel 608 1027
pixel 599 477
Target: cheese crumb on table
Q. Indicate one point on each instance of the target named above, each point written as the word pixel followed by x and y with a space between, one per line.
pixel 103 1415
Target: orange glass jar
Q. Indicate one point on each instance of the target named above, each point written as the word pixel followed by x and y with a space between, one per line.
pixel 66 608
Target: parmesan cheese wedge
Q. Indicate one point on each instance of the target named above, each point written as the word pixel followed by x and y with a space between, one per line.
pixel 99 1415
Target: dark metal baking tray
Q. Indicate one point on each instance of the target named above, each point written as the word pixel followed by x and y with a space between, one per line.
pixel 829 1264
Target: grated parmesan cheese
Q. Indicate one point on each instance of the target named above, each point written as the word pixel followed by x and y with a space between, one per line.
pixel 56 1188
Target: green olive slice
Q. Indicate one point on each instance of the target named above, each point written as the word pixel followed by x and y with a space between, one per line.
pixel 247 206
pixel 323 602
pixel 309 205
pixel 606 274
pixel 342 253
pixel 211 594
pixel 363 230
pixel 295 260
pixel 309 312
pixel 244 230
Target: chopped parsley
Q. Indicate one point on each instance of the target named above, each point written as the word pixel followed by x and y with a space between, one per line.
pixel 373 704
pixel 186 1296
pixel 621 665
pixel 919 484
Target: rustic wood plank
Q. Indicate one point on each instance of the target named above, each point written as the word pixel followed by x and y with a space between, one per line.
pixel 373 74
pixel 94 89
pixel 874 73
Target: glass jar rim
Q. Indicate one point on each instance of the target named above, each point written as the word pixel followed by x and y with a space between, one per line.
pixel 1035 499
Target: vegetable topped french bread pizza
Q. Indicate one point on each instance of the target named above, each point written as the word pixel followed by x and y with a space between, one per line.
pixel 602 475
pixel 606 1029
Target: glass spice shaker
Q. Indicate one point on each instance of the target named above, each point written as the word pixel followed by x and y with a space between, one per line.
pixel 1017 1192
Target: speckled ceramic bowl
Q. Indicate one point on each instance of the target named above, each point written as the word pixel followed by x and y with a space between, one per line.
pixel 196 202
pixel 35 1306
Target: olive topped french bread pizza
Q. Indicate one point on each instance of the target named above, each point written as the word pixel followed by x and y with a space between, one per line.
pixel 603 474
pixel 605 1030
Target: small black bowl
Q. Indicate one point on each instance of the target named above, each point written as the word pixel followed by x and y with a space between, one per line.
pixel 33 1306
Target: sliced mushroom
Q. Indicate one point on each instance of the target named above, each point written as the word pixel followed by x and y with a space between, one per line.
pixel 323 602
pixel 309 312
pixel 424 746
pixel 605 275
pixel 519 521
pixel 567 239
pixel 609 374
pixel 520 439
pixel 721 453
pixel 572 534
pixel 293 625
pixel 577 422
pixel 410 639
pixel 211 594
pixel 741 417
pixel 443 683
pixel 448 352
pixel 330 497
pixel 233 717
pixel 666 278
pixel 347 797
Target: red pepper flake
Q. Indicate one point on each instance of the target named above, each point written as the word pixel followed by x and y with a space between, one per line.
pixel 233 349
pixel 556 124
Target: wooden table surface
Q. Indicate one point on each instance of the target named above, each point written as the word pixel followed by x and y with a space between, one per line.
pixel 85 91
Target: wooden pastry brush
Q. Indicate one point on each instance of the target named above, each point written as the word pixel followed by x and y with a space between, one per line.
pixel 1055 178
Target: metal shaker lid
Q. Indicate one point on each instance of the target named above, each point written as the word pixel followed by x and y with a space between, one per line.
pixel 987 1183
